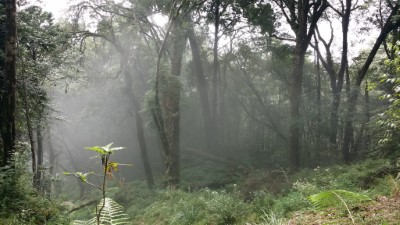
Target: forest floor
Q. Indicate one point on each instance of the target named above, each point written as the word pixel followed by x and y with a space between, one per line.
pixel 212 194
pixel 382 210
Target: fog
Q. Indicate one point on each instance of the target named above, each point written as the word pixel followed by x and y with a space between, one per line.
pixel 97 115
pixel 175 97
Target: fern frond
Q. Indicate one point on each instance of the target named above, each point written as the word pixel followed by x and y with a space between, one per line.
pixel 85 222
pixel 335 198
pixel 112 214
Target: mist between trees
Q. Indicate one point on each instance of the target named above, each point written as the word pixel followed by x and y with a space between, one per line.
pixel 245 84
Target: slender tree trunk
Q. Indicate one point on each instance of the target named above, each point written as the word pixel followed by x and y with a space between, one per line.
pixel 30 135
pixel 318 103
pixel 139 123
pixel 367 118
pixel 52 164
pixel 139 130
pixel 202 86
pixel 3 82
pixel 39 169
pixel 334 117
pixel 294 109
pixel 143 150
pixel 215 78
pixel 136 111
pixel 8 107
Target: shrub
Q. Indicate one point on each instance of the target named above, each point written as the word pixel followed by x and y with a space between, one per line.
pixel 20 203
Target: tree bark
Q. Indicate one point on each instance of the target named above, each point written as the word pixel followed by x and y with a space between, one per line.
pixel 52 164
pixel 295 123
pixel 39 169
pixel 2 74
pixel 8 106
pixel 170 101
pixel 30 134
pixel 215 77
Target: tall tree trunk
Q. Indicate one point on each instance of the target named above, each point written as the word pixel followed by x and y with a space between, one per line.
pixel 30 134
pixel 295 85
pixel 215 79
pixel 139 126
pixel 2 74
pixel 294 108
pixel 202 85
pixel 166 113
pixel 143 150
pixel 39 169
pixel 366 136
pixel 52 164
pixel 334 117
pixel 170 100
pixel 318 103
pixel 337 91
pixel 8 107
pixel 302 18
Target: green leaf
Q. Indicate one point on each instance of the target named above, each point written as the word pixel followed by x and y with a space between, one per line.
pixel 97 149
pixel 103 150
pixel 80 175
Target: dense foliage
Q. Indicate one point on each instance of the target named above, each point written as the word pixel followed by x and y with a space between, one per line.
pixel 232 111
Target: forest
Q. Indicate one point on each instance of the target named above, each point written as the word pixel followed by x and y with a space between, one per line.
pixel 200 112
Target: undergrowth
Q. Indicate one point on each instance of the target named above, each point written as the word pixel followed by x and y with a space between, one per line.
pixel 252 199
pixel 20 203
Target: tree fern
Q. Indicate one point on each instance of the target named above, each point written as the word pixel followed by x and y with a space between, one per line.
pixel 335 198
pixel 111 214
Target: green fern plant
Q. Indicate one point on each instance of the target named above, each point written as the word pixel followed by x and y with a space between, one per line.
pixel 112 214
pixel 337 198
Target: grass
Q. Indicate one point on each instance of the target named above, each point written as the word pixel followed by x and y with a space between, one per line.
pixel 262 197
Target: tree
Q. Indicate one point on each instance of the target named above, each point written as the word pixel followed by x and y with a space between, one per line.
pixel 391 23
pixel 106 32
pixel 302 16
pixel 167 100
pixel 8 83
pixel 336 77
pixel 42 46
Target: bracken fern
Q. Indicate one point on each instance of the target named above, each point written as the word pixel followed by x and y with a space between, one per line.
pixel 112 214
pixel 335 198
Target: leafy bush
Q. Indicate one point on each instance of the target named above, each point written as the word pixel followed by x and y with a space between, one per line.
pixel 20 203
